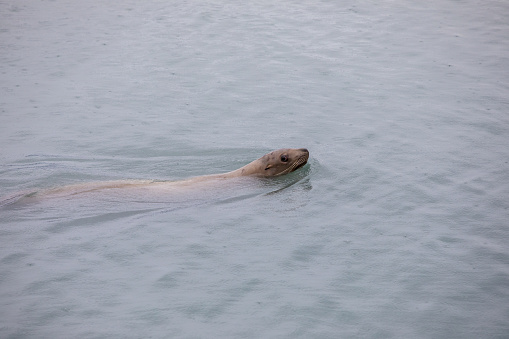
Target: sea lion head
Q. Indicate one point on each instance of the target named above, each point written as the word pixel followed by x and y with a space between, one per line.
pixel 282 161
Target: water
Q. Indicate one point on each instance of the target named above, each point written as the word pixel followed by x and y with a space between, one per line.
pixel 396 228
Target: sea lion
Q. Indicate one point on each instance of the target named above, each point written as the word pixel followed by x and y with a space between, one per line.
pixel 275 163
pixel 278 162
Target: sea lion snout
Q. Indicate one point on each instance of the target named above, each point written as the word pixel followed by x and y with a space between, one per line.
pixel 304 154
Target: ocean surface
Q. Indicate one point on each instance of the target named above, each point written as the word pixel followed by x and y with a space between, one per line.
pixel 398 226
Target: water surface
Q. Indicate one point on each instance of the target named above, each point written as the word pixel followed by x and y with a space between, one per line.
pixel 396 228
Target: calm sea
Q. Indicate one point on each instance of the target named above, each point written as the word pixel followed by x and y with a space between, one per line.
pixel 397 227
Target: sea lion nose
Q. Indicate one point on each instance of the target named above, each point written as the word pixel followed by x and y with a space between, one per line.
pixel 304 150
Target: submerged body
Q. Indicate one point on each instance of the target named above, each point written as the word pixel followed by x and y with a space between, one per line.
pixel 276 163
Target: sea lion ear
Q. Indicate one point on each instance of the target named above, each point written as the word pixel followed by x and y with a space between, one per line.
pixel 268 166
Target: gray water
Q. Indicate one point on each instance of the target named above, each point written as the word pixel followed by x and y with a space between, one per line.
pixel 397 227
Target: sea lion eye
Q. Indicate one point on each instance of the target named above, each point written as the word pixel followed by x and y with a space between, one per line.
pixel 284 158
